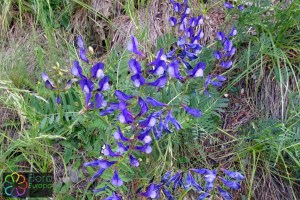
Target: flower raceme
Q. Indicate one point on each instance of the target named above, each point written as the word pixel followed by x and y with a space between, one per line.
pixel 139 117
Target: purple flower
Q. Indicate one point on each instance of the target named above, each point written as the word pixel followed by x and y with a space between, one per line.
pixel 126 117
pixel 154 102
pixel 115 180
pixel 150 121
pixel 122 148
pixel 167 194
pixel 207 81
pixel 195 184
pixel 80 43
pixel 232 174
pixel 86 85
pixel 103 84
pixel 227 44
pixel 173 21
pixel 143 106
pixel 189 32
pixel 133 161
pixel 173 70
pixel 220 36
pixel 221 78
pixel 232 184
pixel 118 135
pixel 102 163
pixel 188 180
pixel 97 70
pixel 107 111
pixel 198 70
pixel 241 7
pixel 49 85
pixel 122 96
pixel 166 177
pixel 175 177
pixel 133 46
pixel 171 119
pixel 144 136
pixel 224 194
pixel 203 196
pixel 228 5
pixel 181 41
pixel 100 189
pixel 218 55
pixel 197 37
pixel 159 68
pixel 58 100
pixel 82 55
pixel 176 6
pixel 144 148
pixel 233 32
pixel 192 111
pixel 113 197
pixel 231 52
pixel 151 191
pixel 108 152
pixel 226 64
pixel 76 69
pixel 134 66
pixel 159 56
pixel 100 102
pixel 138 80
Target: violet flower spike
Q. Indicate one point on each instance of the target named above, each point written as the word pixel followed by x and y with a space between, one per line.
pixel 133 46
pixel 97 70
pixel 116 180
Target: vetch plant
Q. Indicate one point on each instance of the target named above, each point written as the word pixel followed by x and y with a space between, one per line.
pixel 139 118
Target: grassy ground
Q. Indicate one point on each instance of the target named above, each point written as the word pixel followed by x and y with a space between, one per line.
pixel 256 129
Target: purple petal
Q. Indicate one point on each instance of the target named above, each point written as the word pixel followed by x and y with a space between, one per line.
pixel 228 5
pixel 241 7
pixel 133 161
pixel 108 152
pixel 86 85
pixel 232 174
pixel 159 56
pixel 133 46
pixel 118 135
pixel 173 120
pixel 138 80
pixel 224 194
pixel 122 96
pixel 134 66
pixel 143 106
pixel 227 44
pixel 103 84
pixel 225 64
pixel 76 69
pixel 198 70
pixel 233 32
pixel 97 70
pixel 160 82
pixel 145 148
pixel 49 85
pixel 126 117
pixel 218 55
pixel 122 148
pixel 192 111
pixel 220 36
pixel 232 184
pixel 100 102
pixel 154 102
pixel 221 78
pixel 107 111
pixel 173 70
pixel 80 43
pixel 173 21
pixel 159 68
pixel 82 55
pixel 151 192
